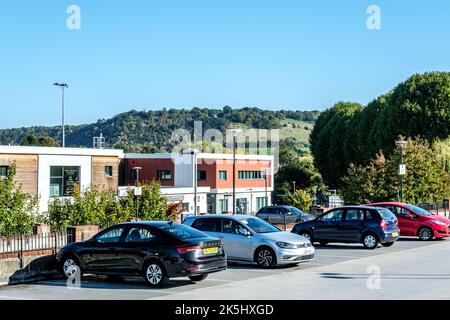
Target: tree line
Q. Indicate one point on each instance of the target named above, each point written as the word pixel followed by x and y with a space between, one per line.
pixel 350 139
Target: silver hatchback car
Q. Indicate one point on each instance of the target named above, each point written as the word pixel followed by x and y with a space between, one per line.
pixel 249 238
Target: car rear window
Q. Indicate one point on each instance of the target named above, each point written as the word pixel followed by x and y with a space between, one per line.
pixel 182 232
pixel 387 214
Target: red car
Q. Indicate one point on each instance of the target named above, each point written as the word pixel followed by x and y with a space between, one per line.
pixel 417 222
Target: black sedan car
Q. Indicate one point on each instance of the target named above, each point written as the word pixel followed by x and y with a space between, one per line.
pixel 352 224
pixel 155 250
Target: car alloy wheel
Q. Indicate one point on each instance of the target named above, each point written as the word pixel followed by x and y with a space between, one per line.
pixel 425 234
pixel 370 241
pixel 154 274
pixel 306 235
pixel 70 267
pixel 265 258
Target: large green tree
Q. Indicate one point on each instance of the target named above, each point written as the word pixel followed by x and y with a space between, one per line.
pixel 39 141
pixel 426 177
pixel 327 143
pixel 18 210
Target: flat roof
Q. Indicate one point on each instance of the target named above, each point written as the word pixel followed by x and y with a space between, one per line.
pixel 61 151
pixel 219 156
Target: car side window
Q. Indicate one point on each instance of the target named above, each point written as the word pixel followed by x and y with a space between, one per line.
pixel 354 215
pixel 393 209
pixel 230 226
pixel 335 215
pixel 369 215
pixel 111 236
pixel 140 234
pixel 206 224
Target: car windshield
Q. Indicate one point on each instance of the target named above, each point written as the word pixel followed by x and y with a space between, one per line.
pixel 418 210
pixel 182 232
pixel 259 226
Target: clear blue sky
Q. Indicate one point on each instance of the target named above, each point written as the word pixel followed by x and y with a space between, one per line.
pixel 151 54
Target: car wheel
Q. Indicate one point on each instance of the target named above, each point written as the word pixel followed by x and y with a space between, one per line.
pixel 198 278
pixel 70 267
pixel 265 258
pixel 425 234
pixel 387 244
pixel 370 241
pixel 307 235
pixel 155 274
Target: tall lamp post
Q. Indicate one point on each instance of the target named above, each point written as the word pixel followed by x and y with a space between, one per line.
pixel 137 190
pixel 402 168
pixel 194 153
pixel 63 86
pixel 293 185
pixel 235 134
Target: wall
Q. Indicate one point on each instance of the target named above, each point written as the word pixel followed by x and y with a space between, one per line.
pixel 26 170
pixel 46 161
pixel 98 171
pixel 150 168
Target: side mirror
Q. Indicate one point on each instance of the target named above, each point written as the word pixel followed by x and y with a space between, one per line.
pixel 244 232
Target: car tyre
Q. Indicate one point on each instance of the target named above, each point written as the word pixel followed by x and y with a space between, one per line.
pixel 387 244
pixel 370 241
pixel 265 258
pixel 425 234
pixel 155 274
pixel 307 235
pixel 198 278
pixel 70 266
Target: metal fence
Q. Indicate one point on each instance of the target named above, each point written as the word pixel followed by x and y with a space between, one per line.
pixel 439 207
pixel 21 244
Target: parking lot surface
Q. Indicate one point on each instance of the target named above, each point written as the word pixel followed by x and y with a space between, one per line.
pixel 410 269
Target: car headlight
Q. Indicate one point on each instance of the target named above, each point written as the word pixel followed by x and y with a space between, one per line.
pixel 439 222
pixel 286 245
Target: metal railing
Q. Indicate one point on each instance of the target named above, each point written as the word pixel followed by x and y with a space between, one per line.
pixel 21 244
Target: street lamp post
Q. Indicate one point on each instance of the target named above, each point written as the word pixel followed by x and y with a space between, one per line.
pixel 63 86
pixel 137 191
pixel 402 169
pixel 293 184
pixel 235 133
pixel 194 153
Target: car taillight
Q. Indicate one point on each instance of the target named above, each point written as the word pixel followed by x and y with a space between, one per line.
pixel 383 224
pixel 183 250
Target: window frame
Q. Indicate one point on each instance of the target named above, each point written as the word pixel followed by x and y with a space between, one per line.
pixel 6 168
pixel 199 173
pixel 62 193
pixel 107 174
pixel 220 175
pixel 164 174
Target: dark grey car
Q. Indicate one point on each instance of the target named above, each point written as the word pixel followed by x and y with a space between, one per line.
pixel 282 214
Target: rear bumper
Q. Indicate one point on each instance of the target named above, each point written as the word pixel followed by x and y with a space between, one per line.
pixel 188 268
pixel 390 235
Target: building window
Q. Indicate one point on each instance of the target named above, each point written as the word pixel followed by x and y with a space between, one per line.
pixel 63 181
pixel 261 202
pixel 164 175
pixel 3 172
pixel 184 207
pixel 251 175
pixel 223 205
pixel 201 175
pixel 223 175
pixel 108 171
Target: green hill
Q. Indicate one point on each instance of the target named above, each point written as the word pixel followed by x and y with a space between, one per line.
pixel 150 131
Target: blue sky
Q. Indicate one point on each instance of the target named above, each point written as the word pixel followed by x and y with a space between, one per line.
pixel 148 54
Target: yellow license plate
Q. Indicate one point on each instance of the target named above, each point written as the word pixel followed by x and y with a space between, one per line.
pixel 211 250
pixel 395 234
